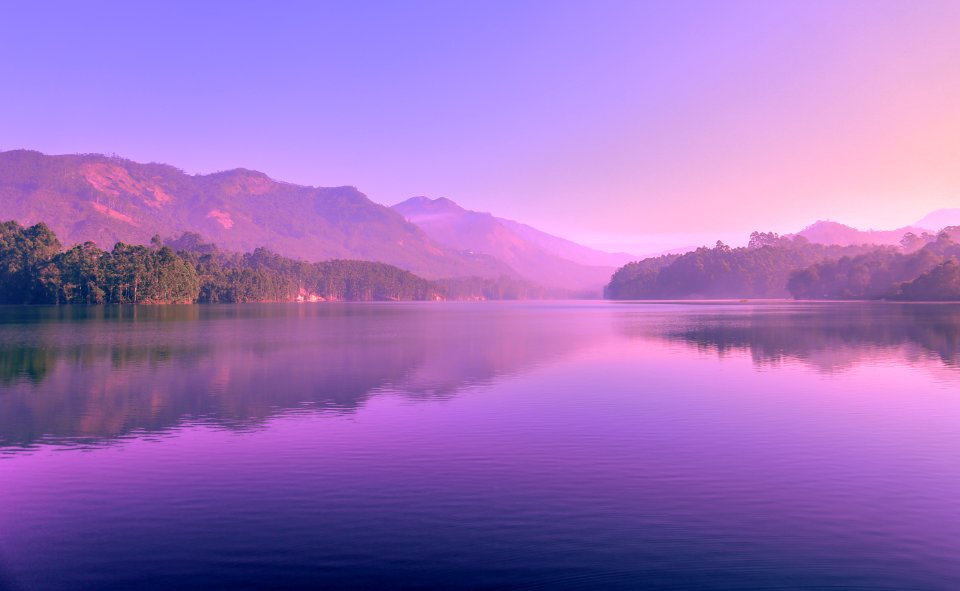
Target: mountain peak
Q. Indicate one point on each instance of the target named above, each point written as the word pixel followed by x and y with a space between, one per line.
pixel 421 205
pixel 941 218
pixel 239 181
pixel 827 224
pixel 829 232
pixel 239 172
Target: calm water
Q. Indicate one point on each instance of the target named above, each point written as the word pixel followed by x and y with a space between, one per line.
pixel 481 446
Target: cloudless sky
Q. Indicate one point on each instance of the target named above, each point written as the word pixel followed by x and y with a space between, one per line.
pixel 621 124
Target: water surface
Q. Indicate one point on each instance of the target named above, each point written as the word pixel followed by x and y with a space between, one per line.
pixel 481 446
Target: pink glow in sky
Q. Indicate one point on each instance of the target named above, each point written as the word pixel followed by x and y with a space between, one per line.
pixel 616 123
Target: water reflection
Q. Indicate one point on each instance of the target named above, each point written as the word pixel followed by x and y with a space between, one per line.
pixel 93 375
pixel 825 336
pixel 85 375
pixel 613 446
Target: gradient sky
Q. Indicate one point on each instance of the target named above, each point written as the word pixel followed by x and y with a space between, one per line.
pixel 620 124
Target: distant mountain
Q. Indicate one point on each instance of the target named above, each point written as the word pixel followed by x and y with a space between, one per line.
pixel 567 249
pixel 547 259
pixel 106 200
pixel 940 219
pixel 825 232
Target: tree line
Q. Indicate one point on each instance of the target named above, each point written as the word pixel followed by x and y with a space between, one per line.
pixel 772 266
pixel 35 269
pixel 931 273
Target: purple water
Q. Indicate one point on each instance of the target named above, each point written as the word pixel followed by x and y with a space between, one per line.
pixel 481 446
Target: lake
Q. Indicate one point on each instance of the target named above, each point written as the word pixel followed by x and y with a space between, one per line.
pixel 565 445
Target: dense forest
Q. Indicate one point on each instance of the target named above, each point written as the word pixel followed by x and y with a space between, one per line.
pixel 759 270
pixel 34 269
pixel 927 274
pixel 772 266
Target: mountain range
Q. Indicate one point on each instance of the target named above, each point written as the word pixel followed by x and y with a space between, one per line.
pixel 91 197
pixel 105 200
pixel 539 256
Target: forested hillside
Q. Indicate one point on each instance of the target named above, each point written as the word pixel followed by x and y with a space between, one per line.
pixel 759 270
pixel 885 273
pixel 34 269
pixel 771 266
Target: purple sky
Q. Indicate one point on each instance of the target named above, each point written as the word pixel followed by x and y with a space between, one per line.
pixel 620 124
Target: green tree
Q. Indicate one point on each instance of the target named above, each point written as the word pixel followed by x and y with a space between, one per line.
pixel 23 253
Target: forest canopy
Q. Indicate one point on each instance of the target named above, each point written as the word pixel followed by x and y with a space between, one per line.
pixel 34 269
pixel 773 266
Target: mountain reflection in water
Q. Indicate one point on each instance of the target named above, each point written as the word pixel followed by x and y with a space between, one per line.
pixel 72 375
pixel 94 375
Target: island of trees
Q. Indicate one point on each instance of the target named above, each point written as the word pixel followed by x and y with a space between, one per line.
pixel 35 269
pixel 922 268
